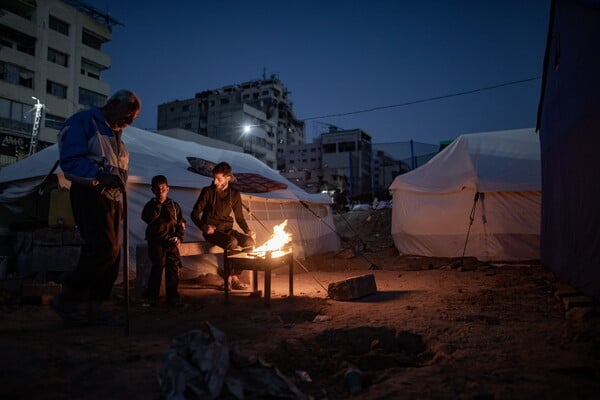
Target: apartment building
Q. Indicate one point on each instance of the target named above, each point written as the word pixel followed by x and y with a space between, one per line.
pixel 256 115
pixel 337 160
pixel 50 55
pixel 385 169
pixel 303 165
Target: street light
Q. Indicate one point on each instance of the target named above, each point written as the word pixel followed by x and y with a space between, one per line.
pixel 38 107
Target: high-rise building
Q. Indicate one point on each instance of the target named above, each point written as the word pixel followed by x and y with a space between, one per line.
pixel 50 56
pixel 256 115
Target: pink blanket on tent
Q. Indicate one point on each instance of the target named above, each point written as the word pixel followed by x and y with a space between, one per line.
pixel 244 182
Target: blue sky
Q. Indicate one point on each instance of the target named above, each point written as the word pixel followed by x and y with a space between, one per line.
pixel 339 57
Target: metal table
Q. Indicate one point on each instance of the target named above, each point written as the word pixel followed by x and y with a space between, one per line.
pixel 254 262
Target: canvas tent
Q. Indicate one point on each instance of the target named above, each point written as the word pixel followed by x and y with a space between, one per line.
pixel 493 176
pixel 152 154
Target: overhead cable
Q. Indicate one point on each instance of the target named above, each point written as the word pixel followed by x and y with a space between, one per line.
pixel 424 100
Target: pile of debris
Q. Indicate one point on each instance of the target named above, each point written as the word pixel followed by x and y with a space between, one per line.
pixel 199 364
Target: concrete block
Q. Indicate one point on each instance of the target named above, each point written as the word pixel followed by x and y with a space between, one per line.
pixel 352 288
pixel 47 237
pixel 55 258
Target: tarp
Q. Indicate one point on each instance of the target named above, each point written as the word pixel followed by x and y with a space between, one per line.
pixel 152 154
pixel 493 177
pixel 569 126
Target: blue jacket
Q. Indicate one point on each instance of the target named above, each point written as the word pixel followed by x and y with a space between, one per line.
pixel 89 148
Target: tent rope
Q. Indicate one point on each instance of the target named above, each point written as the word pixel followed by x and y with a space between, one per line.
pixel 298 262
pixel 373 266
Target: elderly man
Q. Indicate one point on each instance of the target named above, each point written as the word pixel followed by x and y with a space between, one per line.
pixel 94 158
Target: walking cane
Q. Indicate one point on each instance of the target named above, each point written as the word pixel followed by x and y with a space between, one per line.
pixel 126 261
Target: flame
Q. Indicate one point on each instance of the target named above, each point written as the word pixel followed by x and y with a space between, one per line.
pixel 278 239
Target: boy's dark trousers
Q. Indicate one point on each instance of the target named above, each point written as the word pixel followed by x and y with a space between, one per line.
pixel 164 256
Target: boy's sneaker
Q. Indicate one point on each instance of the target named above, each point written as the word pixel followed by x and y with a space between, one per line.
pixel 238 285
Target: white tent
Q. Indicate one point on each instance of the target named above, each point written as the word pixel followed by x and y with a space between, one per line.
pixel 494 177
pixel 152 154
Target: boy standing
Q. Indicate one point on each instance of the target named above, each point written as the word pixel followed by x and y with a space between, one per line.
pixel 165 230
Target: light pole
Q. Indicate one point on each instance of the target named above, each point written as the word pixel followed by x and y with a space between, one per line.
pixel 38 107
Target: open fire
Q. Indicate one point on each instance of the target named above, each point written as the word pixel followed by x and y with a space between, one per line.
pixel 275 245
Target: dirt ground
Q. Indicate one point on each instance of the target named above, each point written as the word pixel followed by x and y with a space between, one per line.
pixel 433 330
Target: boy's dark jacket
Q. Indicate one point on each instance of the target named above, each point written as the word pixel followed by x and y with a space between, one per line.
pixel 165 220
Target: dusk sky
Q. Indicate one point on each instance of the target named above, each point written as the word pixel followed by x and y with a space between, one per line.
pixel 342 57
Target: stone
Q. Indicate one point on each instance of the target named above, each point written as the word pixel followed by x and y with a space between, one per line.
pixel 352 288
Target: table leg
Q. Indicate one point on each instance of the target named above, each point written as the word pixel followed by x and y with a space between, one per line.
pixel 226 273
pixel 254 281
pixel 267 286
pixel 291 269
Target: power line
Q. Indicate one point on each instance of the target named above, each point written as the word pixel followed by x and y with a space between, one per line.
pixel 425 100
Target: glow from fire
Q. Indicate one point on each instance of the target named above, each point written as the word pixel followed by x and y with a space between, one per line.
pixel 278 239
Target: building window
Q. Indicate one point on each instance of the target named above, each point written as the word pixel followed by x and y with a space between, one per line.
pixel 185 108
pixel 91 69
pixel 16 116
pixel 59 26
pixel 14 39
pixel 224 101
pixel 187 125
pixel 56 89
pixel 58 57
pixel 54 121
pixel 16 75
pixel 329 148
pixel 91 99
pixel 347 146
pixel 92 40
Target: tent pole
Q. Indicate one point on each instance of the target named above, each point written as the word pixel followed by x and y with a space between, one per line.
pixel 471 219
pixel 126 261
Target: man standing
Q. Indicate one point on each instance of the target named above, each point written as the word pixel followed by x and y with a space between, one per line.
pixel 94 158
pixel 164 232
pixel 212 214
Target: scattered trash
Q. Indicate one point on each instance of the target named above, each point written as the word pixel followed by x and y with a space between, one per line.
pixel 322 318
pixel 196 361
pixel 199 364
